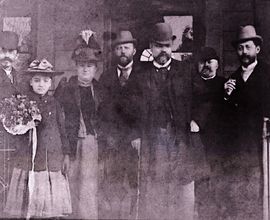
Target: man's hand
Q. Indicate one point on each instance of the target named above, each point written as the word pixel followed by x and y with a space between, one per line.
pixel 194 127
pixel 229 86
pixel 65 165
pixel 136 144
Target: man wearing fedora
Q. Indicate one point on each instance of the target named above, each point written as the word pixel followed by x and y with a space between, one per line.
pixel 166 186
pixel 120 128
pixel 247 93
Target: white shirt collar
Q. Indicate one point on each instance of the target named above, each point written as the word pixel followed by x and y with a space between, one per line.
pixel 207 78
pixel 247 71
pixel 127 68
pixel 8 72
pixel 166 65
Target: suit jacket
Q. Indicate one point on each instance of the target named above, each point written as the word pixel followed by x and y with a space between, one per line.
pixel 70 99
pixel 184 157
pixel 247 105
pixel 119 106
pixel 7 89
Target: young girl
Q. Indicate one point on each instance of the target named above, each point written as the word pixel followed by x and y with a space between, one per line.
pixel 49 193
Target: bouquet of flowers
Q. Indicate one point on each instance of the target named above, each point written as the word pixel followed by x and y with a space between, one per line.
pixel 18 114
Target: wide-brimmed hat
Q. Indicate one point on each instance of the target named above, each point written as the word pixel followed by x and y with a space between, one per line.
pixel 9 40
pixel 246 33
pixel 207 53
pixel 87 49
pixel 122 37
pixel 42 67
pixel 162 33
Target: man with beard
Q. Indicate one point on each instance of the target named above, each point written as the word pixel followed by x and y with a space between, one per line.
pixel 247 93
pixel 166 186
pixel 206 127
pixel 8 54
pixel 120 134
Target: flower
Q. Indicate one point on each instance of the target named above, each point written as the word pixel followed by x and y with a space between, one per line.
pixel 18 113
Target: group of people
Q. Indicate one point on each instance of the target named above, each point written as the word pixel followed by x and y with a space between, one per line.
pixel 165 139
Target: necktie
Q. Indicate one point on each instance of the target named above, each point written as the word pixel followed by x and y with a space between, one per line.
pixel 123 77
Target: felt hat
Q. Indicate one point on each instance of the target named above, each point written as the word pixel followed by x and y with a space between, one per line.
pixel 123 37
pixel 42 67
pixel 9 40
pixel 207 53
pixel 162 33
pixel 246 33
pixel 87 48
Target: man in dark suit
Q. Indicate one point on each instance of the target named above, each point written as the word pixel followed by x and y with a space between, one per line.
pixel 206 127
pixel 120 134
pixel 166 186
pixel 247 93
pixel 8 54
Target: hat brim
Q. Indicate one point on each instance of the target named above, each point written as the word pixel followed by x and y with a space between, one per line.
pixel 51 73
pixel 87 60
pixel 134 41
pixel 257 38
pixel 164 41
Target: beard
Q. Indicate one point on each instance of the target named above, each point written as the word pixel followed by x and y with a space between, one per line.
pixel 6 62
pixel 124 60
pixel 162 58
pixel 246 60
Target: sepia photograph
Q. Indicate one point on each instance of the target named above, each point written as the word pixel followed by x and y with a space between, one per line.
pixel 135 109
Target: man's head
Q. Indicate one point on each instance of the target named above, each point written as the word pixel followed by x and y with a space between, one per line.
pixel 208 62
pixel 247 45
pixel 161 42
pixel 124 47
pixel 8 48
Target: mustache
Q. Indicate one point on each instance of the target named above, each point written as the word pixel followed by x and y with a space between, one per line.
pixel 6 59
pixel 163 54
pixel 245 56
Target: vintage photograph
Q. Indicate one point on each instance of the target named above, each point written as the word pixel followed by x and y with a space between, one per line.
pixel 135 109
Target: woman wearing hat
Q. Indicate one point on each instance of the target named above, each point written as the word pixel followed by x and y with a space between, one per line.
pixel 79 99
pixel 50 195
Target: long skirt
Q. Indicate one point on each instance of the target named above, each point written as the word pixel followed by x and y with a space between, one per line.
pixel 83 178
pixel 50 198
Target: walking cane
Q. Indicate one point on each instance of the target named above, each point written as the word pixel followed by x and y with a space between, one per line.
pixel 138 181
pixel 266 169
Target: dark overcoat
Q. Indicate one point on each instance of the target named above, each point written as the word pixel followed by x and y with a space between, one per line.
pixel 70 98
pixel 52 142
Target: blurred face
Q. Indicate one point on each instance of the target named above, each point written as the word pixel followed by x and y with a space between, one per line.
pixel 40 84
pixel 247 52
pixel 208 68
pixel 124 53
pixel 161 52
pixel 86 70
pixel 7 57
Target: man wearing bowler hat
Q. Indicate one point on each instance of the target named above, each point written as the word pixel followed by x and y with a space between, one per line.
pixel 8 54
pixel 120 130
pixel 166 186
pixel 247 93
pixel 207 128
